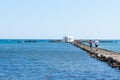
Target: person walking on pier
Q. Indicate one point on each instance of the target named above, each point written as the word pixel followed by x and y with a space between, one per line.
pixel 96 44
pixel 90 43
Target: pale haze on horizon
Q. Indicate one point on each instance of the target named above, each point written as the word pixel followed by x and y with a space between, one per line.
pixel 53 19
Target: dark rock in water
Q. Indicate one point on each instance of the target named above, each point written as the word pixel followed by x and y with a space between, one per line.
pixel 18 41
pixel 55 41
pixel 29 41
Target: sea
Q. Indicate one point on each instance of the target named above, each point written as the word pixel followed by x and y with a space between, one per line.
pixel 47 60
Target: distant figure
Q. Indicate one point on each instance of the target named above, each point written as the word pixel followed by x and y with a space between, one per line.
pixel 76 41
pixel 96 43
pixel 90 43
pixel 80 41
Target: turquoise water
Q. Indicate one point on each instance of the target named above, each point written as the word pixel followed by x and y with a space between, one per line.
pixel 114 46
pixel 51 61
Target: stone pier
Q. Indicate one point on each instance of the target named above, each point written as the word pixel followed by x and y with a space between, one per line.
pixel 112 58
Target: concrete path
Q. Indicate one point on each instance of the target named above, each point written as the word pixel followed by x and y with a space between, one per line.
pixel 112 58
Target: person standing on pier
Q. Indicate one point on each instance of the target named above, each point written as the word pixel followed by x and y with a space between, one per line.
pixel 80 41
pixel 96 43
pixel 90 43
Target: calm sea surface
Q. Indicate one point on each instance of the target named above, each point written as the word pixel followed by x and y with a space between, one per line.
pixel 50 61
pixel 114 46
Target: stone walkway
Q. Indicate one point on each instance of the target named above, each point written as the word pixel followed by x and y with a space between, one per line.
pixel 112 58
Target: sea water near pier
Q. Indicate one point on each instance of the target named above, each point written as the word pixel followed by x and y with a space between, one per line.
pixel 113 45
pixel 44 60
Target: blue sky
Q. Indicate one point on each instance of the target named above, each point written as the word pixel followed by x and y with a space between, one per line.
pixel 53 19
